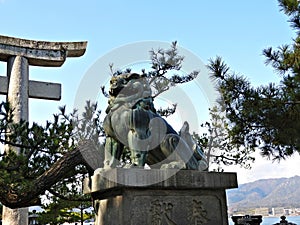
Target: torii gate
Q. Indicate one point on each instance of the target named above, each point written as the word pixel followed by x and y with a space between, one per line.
pixel 19 54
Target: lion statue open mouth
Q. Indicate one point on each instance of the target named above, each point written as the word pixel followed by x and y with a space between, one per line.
pixel 133 124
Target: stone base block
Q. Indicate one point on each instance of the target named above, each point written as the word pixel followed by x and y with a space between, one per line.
pixel 186 198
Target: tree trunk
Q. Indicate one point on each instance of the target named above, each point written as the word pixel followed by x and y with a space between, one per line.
pixel 86 153
pixel 81 215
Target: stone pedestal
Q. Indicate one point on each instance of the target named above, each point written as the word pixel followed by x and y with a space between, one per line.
pixel 160 197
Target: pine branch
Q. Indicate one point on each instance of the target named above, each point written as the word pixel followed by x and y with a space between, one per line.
pixel 16 198
pixel 69 198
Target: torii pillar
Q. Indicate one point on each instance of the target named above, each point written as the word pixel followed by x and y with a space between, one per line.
pixel 19 54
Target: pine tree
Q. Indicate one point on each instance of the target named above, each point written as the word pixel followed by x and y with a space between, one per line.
pixel 217 145
pixel 265 117
pixel 60 211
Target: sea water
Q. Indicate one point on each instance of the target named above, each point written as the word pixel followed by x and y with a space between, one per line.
pixel 273 220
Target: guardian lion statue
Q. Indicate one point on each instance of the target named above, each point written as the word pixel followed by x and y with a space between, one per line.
pixel 132 124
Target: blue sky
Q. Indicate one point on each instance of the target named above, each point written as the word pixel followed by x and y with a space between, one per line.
pixel 236 30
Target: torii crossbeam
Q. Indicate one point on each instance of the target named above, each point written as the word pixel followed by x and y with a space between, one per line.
pixel 20 53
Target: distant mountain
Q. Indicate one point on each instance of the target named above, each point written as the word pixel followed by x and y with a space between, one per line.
pixel 281 192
